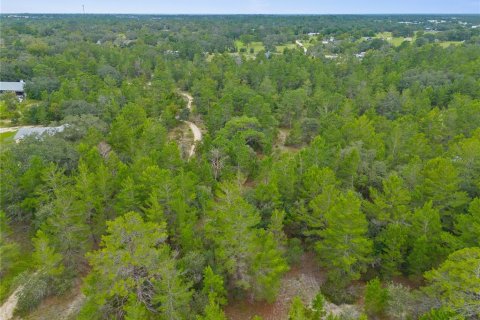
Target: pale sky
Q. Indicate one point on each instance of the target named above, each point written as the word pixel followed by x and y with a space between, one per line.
pixel 241 6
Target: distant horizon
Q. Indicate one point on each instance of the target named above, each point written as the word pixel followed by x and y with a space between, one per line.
pixel 246 7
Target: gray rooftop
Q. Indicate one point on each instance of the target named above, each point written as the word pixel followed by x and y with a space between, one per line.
pixel 12 86
pixel 24 132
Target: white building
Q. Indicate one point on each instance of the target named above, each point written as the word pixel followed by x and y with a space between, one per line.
pixel 17 87
pixel 22 133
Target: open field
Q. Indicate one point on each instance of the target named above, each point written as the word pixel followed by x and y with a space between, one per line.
pixel 257 46
pixel 282 47
pixel 396 41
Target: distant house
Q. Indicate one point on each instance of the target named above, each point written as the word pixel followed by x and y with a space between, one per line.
pixel 17 87
pixel 172 52
pixel 360 55
pixel 24 132
pixel 331 56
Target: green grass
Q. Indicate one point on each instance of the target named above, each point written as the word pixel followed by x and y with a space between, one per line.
pixel 257 46
pixel 6 137
pixel 445 44
pixel 282 47
pixel 383 35
pixel 396 41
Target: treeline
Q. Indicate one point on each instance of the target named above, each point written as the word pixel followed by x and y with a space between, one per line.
pixel 187 36
pixel 381 178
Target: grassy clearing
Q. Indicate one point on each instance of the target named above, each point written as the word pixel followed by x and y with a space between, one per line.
pixel 396 41
pixel 6 137
pixel 445 44
pixel 257 46
pixel 282 47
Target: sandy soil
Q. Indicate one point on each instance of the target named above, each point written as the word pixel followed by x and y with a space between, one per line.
pixel 301 46
pixel 12 129
pixel 6 310
pixel 197 134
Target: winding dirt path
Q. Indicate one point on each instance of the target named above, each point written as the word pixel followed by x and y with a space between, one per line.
pixel 12 129
pixel 197 134
pixel 6 310
pixel 301 46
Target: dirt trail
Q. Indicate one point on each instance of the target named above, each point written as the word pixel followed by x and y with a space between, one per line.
pixel 301 46
pixel 197 134
pixel 6 310
pixel 74 306
pixel 12 129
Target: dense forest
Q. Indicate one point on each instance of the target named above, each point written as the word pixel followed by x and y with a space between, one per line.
pixel 351 143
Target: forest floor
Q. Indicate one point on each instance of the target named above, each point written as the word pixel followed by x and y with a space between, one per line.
pixel 303 280
pixel 280 143
pixel 64 307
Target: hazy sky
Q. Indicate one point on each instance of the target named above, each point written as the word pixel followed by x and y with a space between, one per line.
pixel 241 6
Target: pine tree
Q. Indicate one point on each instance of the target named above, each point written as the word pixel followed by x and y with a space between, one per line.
pixel 376 298
pixel 213 311
pixel 391 205
pixel 48 261
pixel 172 293
pixel 297 310
pixel 67 228
pixel 393 242
pixel 134 267
pixel 213 286
pixel 249 257
pixel 344 247
pixel 427 239
pixel 456 282
pixel 468 225
pixel 126 200
pixel 268 266
pixel 441 185
pixel 229 227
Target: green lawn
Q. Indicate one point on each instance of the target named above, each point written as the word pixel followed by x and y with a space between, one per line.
pixel 285 46
pixel 396 41
pixel 6 137
pixel 257 46
pixel 445 44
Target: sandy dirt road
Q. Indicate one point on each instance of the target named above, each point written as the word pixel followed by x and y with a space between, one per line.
pixel 301 46
pixel 197 134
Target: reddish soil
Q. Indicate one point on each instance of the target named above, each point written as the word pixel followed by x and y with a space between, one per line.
pixel 302 280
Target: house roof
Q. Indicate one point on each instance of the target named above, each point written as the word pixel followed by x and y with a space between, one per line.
pixel 28 131
pixel 12 86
